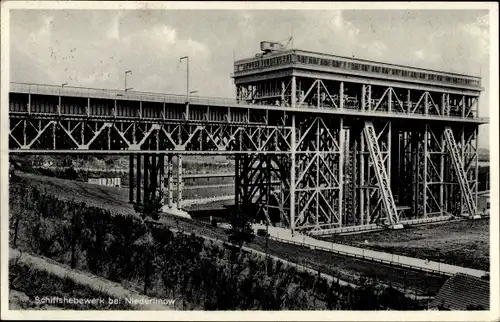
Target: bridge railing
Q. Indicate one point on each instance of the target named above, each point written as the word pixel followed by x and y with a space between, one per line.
pixel 85 92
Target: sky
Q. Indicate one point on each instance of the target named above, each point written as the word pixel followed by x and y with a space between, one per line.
pixel 93 48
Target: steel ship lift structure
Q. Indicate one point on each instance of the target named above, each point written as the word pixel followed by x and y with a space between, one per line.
pixel 322 143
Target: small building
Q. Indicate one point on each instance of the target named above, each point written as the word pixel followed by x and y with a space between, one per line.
pixel 462 292
pixel 109 182
pixel 483 201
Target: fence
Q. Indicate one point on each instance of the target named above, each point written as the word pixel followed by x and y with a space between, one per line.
pixel 353 282
pixel 366 257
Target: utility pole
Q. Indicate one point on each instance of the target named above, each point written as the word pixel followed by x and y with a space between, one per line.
pixel 187 86
pixel 60 98
pixel 126 73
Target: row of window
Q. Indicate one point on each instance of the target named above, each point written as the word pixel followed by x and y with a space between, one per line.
pixel 292 58
pixel 263 63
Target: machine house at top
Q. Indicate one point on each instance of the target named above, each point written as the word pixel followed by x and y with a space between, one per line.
pixel 321 80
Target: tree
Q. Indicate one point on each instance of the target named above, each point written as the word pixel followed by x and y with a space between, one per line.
pixel 148 247
pixel 241 229
pixel 151 208
pixel 70 174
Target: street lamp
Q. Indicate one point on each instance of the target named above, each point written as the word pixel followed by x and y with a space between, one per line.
pixel 187 76
pixel 187 85
pixel 60 99
pixel 126 73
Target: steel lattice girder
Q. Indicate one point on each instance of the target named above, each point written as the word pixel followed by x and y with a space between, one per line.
pixel 44 134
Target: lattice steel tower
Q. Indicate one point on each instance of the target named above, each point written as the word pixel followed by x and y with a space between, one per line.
pixel 402 160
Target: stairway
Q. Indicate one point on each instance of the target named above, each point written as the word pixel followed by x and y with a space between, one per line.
pixel 349 164
pixel 382 178
pixel 460 171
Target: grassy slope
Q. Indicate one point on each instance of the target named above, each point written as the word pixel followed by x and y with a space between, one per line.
pixel 31 276
pixel 463 243
pixel 106 197
pixel 347 268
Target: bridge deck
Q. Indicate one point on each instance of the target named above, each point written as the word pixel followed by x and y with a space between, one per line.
pixel 120 95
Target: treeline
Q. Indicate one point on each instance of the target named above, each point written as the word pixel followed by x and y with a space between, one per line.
pixel 161 263
pixel 70 173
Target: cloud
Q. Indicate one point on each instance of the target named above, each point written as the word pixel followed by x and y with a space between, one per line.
pixel 90 57
pixel 113 31
pixel 42 34
pixel 419 54
pixel 478 31
pixel 375 49
pixel 164 39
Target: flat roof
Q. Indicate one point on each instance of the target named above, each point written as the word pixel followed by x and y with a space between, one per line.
pixel 299 51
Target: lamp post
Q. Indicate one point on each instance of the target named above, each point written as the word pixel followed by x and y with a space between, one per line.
pixel 187 86
pixel 126 73
pixel 60 98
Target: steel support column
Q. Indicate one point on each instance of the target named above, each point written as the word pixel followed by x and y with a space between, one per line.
pixel 131 178
pixel 426 156
pixel 146 193
pixel 341 95
pixel 179 181
pixel 139 180
pixel 293 150
pixel 342 149
pixel 170 183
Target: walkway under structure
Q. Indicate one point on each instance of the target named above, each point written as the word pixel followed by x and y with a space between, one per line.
pixel 322 143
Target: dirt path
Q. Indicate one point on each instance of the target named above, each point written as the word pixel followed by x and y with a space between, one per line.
pixel 93 282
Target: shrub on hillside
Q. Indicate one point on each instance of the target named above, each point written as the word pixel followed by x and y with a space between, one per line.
pixel 241 229
pixel 161 263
